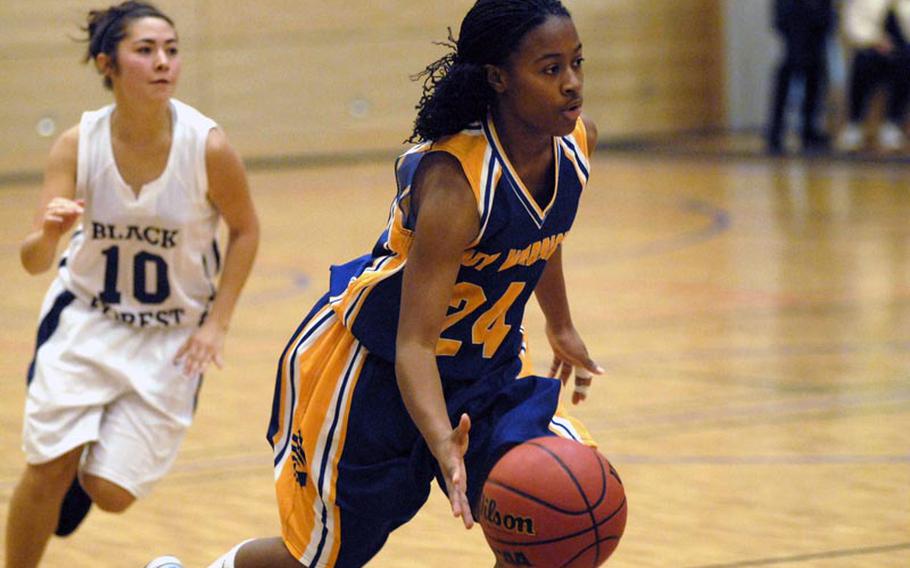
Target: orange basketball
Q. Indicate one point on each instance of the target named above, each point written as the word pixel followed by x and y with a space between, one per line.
pixel 553 502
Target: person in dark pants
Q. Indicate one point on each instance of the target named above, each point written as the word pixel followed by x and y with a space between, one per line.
pixel 877 30
pixel 804 26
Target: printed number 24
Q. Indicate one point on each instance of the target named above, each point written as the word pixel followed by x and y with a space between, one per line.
pixel 490 329
pixel 141 263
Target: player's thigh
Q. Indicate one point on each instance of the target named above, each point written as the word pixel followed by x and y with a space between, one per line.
pixel 137 444
pixel 353 472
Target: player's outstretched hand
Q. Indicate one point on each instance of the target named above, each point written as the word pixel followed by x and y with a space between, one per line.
pixel 203 348
pixel 569 352
pixel 451 461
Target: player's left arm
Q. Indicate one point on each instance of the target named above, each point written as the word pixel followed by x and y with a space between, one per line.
pixel 590 134
pixel 229 192
pixel 569 350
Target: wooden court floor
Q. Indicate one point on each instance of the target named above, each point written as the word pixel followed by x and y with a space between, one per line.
pixel 753 316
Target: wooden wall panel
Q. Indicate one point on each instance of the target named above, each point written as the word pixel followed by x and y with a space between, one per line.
pixel 311 78
pixel 322 78
pixel 43 75
pixel 285 20
pixel 652 65
pixel 304 104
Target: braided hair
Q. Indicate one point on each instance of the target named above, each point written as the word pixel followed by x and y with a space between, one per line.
pixel 106 28
pixel 455 89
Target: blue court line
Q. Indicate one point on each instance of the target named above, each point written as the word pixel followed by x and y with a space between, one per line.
pixel 296 283
pixel 718 221
pixel 842 553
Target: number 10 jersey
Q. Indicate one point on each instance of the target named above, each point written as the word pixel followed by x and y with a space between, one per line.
pixel 148 258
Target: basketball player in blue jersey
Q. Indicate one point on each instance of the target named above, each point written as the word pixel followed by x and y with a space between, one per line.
pixel 408 368
pixel 133 318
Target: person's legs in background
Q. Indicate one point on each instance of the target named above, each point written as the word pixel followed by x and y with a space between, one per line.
pixel 868 69
pixel 813 65
pixel 777 123
pixel 891 133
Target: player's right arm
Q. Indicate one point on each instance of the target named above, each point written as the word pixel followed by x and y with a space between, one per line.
pixel 447 222
pixel 57 209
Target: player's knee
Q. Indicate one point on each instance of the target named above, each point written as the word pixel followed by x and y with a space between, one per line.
pixel 56 475
pixel 108 496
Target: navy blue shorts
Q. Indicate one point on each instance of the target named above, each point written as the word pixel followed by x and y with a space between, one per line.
pixel 351 465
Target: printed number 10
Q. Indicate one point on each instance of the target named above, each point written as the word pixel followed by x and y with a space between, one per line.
pixel 141 263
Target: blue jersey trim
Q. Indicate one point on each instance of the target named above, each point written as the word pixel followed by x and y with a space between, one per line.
pixel 48 326
pixel 276 400
pixel 330 437
pixel 489 194
pixel 578 157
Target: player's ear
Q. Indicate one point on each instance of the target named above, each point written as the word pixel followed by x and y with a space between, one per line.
pixel 496 78
pixel 104 64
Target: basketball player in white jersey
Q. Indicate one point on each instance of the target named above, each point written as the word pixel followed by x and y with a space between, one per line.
pixel 133 318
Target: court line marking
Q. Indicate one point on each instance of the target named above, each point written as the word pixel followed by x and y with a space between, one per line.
pixel 842 553
pixel 793 459
pixel 756 411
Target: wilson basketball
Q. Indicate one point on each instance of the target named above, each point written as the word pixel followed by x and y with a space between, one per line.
pixel 553 502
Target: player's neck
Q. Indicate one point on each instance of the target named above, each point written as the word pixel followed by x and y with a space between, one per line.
pixel 522 144
pixel 140 124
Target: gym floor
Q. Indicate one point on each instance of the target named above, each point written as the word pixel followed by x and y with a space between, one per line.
pixel 753 315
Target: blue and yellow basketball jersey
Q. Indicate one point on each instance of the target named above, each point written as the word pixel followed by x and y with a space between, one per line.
pixel 499 270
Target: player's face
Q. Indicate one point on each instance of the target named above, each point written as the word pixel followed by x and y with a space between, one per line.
pixel 543 78
pixel 148 60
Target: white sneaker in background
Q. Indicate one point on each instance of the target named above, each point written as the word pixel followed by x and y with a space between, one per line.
pixel 165 562
pixel 850 138
pixel 890 137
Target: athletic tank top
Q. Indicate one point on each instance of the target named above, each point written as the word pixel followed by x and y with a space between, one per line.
pixel 147 259
pixel 499 270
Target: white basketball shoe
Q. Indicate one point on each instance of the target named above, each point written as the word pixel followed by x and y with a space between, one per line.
pixel 890 137
pixel 165 562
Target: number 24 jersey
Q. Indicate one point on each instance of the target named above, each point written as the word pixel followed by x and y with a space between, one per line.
pixel 499 270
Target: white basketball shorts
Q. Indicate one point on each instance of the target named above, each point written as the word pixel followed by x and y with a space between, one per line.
pixel 114 387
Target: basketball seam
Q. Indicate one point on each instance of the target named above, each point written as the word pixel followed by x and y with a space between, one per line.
pixel 596 543
pixel 603 521
pixel 601 539
pixel 603 477
pixel 537 500
pixel 591 505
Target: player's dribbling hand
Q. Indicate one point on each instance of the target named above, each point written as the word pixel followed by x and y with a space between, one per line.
pixel 203 348
pixel 455 473
pixel 570 353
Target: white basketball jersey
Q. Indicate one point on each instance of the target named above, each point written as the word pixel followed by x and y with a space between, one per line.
pixel 151 259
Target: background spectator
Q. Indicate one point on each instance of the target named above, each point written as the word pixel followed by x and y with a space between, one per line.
pixel 877 32
pixel 804 26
